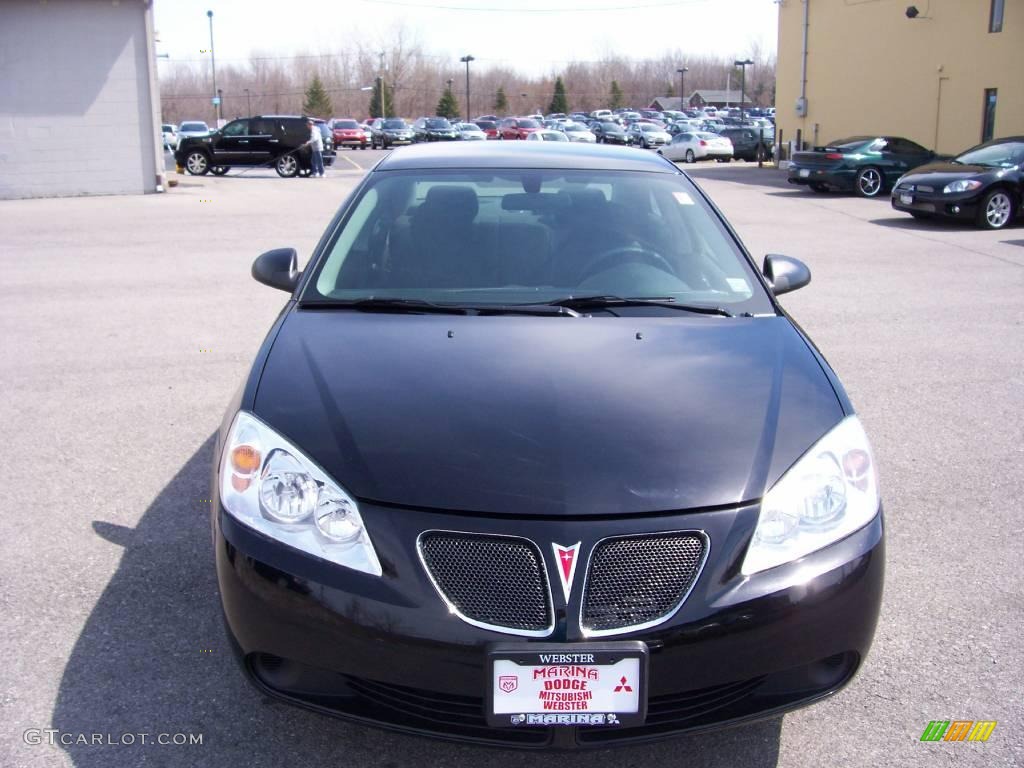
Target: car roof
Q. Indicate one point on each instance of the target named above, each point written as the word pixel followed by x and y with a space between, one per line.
pixel 517 155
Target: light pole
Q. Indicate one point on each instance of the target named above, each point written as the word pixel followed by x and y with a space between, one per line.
pixel 682 85
pixel 213 68
pixel 248 102
pixel 743 84
pixel 383 111
pixel 466 59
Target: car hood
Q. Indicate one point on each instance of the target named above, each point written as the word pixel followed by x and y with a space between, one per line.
pixel 933 171
pixel 546 415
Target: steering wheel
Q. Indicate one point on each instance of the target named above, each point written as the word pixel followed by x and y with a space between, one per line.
pixel 625 254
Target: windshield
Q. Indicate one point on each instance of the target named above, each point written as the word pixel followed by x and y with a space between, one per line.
pixel 194 127
pixel 487 124
pixel 346 124
pixel 529 124
pixel 438 124
pixel 394 125
pixel 610 127
pixel 1003 155
pixel 854 142
pixel 533 236
pixel 648 127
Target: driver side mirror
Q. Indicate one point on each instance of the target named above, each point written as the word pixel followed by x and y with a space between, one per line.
pixel 278 268
pixel 785 273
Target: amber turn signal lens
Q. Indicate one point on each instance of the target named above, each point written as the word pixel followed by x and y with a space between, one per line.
pixel 245 459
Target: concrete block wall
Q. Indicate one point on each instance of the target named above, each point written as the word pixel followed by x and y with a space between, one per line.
pixel 77 100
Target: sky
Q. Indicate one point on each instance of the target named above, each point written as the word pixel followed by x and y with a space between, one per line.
pixel 533 36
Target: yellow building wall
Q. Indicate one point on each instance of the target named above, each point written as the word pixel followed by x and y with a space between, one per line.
pixel 870 70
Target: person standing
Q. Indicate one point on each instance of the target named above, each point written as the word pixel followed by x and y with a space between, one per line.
pixel 316 141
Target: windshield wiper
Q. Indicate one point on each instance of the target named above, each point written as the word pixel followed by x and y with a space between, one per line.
pixel 598 302
pixel 388 304
pixel 415 306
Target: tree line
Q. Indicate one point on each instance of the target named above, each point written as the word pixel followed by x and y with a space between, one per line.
pixel 345 83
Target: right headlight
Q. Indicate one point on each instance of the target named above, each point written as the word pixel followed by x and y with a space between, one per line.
pixel 827 495
pixel 963 185
pixel 269 485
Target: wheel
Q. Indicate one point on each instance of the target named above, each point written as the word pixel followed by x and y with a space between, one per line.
pixel 362 146
pixel 996 210
pixel 287 166
pixel 869 182
pixel 761 154
pixel 817 187
pixel 690 157
pixel 220 170
pixel 197 163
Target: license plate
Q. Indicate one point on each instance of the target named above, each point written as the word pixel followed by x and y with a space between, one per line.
pixel 907 199
pixel 593 684
pixel 804 173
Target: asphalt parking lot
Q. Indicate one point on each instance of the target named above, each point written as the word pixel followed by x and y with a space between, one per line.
pixel 128 322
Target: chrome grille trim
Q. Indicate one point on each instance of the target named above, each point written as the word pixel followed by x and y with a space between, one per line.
pixel 452 608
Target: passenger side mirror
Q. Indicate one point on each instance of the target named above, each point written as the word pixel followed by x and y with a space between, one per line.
pixel 278 268
pixel 785 273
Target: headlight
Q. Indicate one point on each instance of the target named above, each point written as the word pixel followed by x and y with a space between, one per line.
pixel 268 484
pixel 964 185
pixel 827 495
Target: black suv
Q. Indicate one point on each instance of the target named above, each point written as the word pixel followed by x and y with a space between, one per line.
pixel 434 129
pixel 277 141
pixel 747 144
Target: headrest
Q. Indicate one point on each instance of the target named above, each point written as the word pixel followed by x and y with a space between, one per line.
pixel 458 205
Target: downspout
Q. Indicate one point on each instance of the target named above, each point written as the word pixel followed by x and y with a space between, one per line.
pixel 803 56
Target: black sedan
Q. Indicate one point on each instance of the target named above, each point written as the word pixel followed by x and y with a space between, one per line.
pixel 984 185
pixel 434 129
pixel 867 165
pixel 533 457
pixel 608 132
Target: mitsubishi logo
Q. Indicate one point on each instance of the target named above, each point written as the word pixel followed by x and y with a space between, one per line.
pixel 566 558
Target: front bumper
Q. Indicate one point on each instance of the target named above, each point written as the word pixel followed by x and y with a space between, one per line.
pixel 956 206
pixel 387 652
pixel 838 178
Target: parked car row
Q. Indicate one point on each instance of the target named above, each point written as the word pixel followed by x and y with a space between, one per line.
pixel 985 184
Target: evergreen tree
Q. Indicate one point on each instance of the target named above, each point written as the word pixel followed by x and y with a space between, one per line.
pixel 317 103
pixel 670 88
pixel 448 106
pixel 559 103
pixel 615 102
pixel 389 107
pixel 500 100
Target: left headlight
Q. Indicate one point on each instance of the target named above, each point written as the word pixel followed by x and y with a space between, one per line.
pixel 828 494
pixel 268 484
pixel 963 185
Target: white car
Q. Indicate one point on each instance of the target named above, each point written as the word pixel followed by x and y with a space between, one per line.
pixel 648 135
pixel 192 128
pixel 690 147
pixel 470 132
pixel 169 133
pixel 547 135
pixel 577 132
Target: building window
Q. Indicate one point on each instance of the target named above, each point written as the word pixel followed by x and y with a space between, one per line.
pixel 995 19
pixel 988 117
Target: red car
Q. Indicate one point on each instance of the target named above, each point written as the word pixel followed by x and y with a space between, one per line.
pixel 349 133
pixel 517 127
pixel 489 127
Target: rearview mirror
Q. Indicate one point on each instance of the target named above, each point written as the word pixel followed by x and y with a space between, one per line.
pixel 278 268
pixel 785 273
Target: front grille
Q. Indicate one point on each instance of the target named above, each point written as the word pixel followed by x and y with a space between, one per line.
pixel 497 582
pixel 638 581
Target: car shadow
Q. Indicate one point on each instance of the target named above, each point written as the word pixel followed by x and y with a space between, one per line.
pixel 909 222
pixel 152 658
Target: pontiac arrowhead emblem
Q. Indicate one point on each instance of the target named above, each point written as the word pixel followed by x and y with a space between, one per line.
pixel 566 559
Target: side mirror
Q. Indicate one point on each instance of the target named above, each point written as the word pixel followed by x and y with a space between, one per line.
pixel 785 273
pixel 278 268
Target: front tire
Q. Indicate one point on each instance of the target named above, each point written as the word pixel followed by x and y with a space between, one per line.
pixel 996 210
pixel 287 166
pixel 869 182
pixel 197 163
pixel 690 157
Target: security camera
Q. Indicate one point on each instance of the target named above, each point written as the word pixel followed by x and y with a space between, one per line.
pixel 912 12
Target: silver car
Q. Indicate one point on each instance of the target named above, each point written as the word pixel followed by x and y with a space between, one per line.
pixel 470 132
